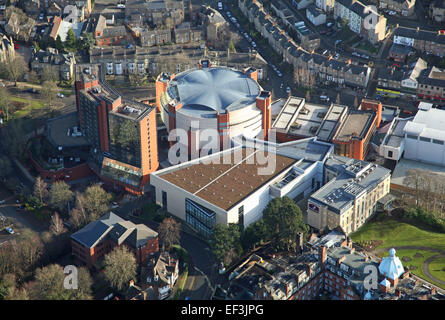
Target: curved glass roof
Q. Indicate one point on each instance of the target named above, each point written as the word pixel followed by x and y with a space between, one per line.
pixel 214 89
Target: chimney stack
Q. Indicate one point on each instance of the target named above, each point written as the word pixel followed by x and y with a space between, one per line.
pixel 299 246
pixel 322 254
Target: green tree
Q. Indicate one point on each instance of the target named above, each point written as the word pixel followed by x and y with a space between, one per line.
pixel 71 40
pixel 120 267
pixel 225 242
pixel 59 44
pixel 284 220
pixel 254 234
pixel 60 195
pixel 87 41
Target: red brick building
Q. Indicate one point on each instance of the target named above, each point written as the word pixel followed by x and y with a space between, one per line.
pixel 100 237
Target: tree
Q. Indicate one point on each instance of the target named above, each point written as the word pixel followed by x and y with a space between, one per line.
pixel 231 47
pixel 120 267
pixel 5 104
pixel 47 92
pixel 40 189
pixel 60 195
pixel 14 139
pixel 56 227
pixel 59 43
pixel 225 240
pixel 96 202
pixel 308 96
pixel 78 215
pixel 254 234
pixel 169 233
pixel 5 167
pixel 87 41
pixel 71 40
pixel 50 280
pixel 284 220
pixel 49 74
pixel 15 67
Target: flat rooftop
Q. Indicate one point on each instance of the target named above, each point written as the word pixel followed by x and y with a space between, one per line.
pixel 354 178
pixel 429 123
pixel 356 125
pixel 330 122
pixel 57 131
pixel 229 181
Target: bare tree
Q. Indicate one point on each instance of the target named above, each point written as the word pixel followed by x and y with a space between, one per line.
pixel 60 195
pixel 15 67
pixel 169 233
pixel 47 92
pixel 56 226
pixel 97 202
pixel 5 104
pixel 40 189
pixel 337 100
pixel 120 267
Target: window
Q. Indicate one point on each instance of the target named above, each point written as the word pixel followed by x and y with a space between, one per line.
pixel 438 141
pixel 164 200
pixel 390 154
pixel 409 136
pixel 241 216
pixel 425 139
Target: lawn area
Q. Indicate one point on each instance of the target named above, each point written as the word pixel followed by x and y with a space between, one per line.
pixel 437 268
pixel 30 105
pixel 394 233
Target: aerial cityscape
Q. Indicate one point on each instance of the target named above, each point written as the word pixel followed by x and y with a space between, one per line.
pixel 222 150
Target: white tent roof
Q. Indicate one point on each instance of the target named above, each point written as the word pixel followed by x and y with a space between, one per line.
pixel 391 267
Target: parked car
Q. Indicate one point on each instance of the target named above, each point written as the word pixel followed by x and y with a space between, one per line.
pixel 220 6
pixel 9 230
pixel 337 55
pixel 228 14
pixel 288 90
pixel 2 201
pixel 60 95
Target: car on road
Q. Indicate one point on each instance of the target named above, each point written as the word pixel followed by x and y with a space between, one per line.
pixel 288 90
pixel 32 90
pixel 329 24
pixel 324 98
pixel 279 73
pixel 9 230
pixel 228 14
pixel 220 6
pixel 337 55
pixel 2 201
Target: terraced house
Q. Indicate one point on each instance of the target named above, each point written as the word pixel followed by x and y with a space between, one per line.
pixel 402 7
pixel 432 42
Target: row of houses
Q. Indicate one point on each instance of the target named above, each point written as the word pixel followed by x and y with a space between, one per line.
pixel 268 27
pixel 170 58
pixel 430 42
pixel 156 13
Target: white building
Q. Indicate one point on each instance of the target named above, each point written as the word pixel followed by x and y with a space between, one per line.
pixel 421 138
pixel 325 5
pixel 238 189
pixel 315 15
pixel 425 135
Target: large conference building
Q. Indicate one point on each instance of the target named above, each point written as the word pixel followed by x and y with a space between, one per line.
pixel 228 101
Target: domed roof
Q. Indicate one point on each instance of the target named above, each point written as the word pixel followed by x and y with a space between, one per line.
pixel 213 89
pixel 391 266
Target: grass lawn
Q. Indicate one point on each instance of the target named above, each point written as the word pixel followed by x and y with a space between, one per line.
pixel 394 233
pixel 437 268
pixel 30 105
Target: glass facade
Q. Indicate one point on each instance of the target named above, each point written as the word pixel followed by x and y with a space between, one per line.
pixel 199 217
